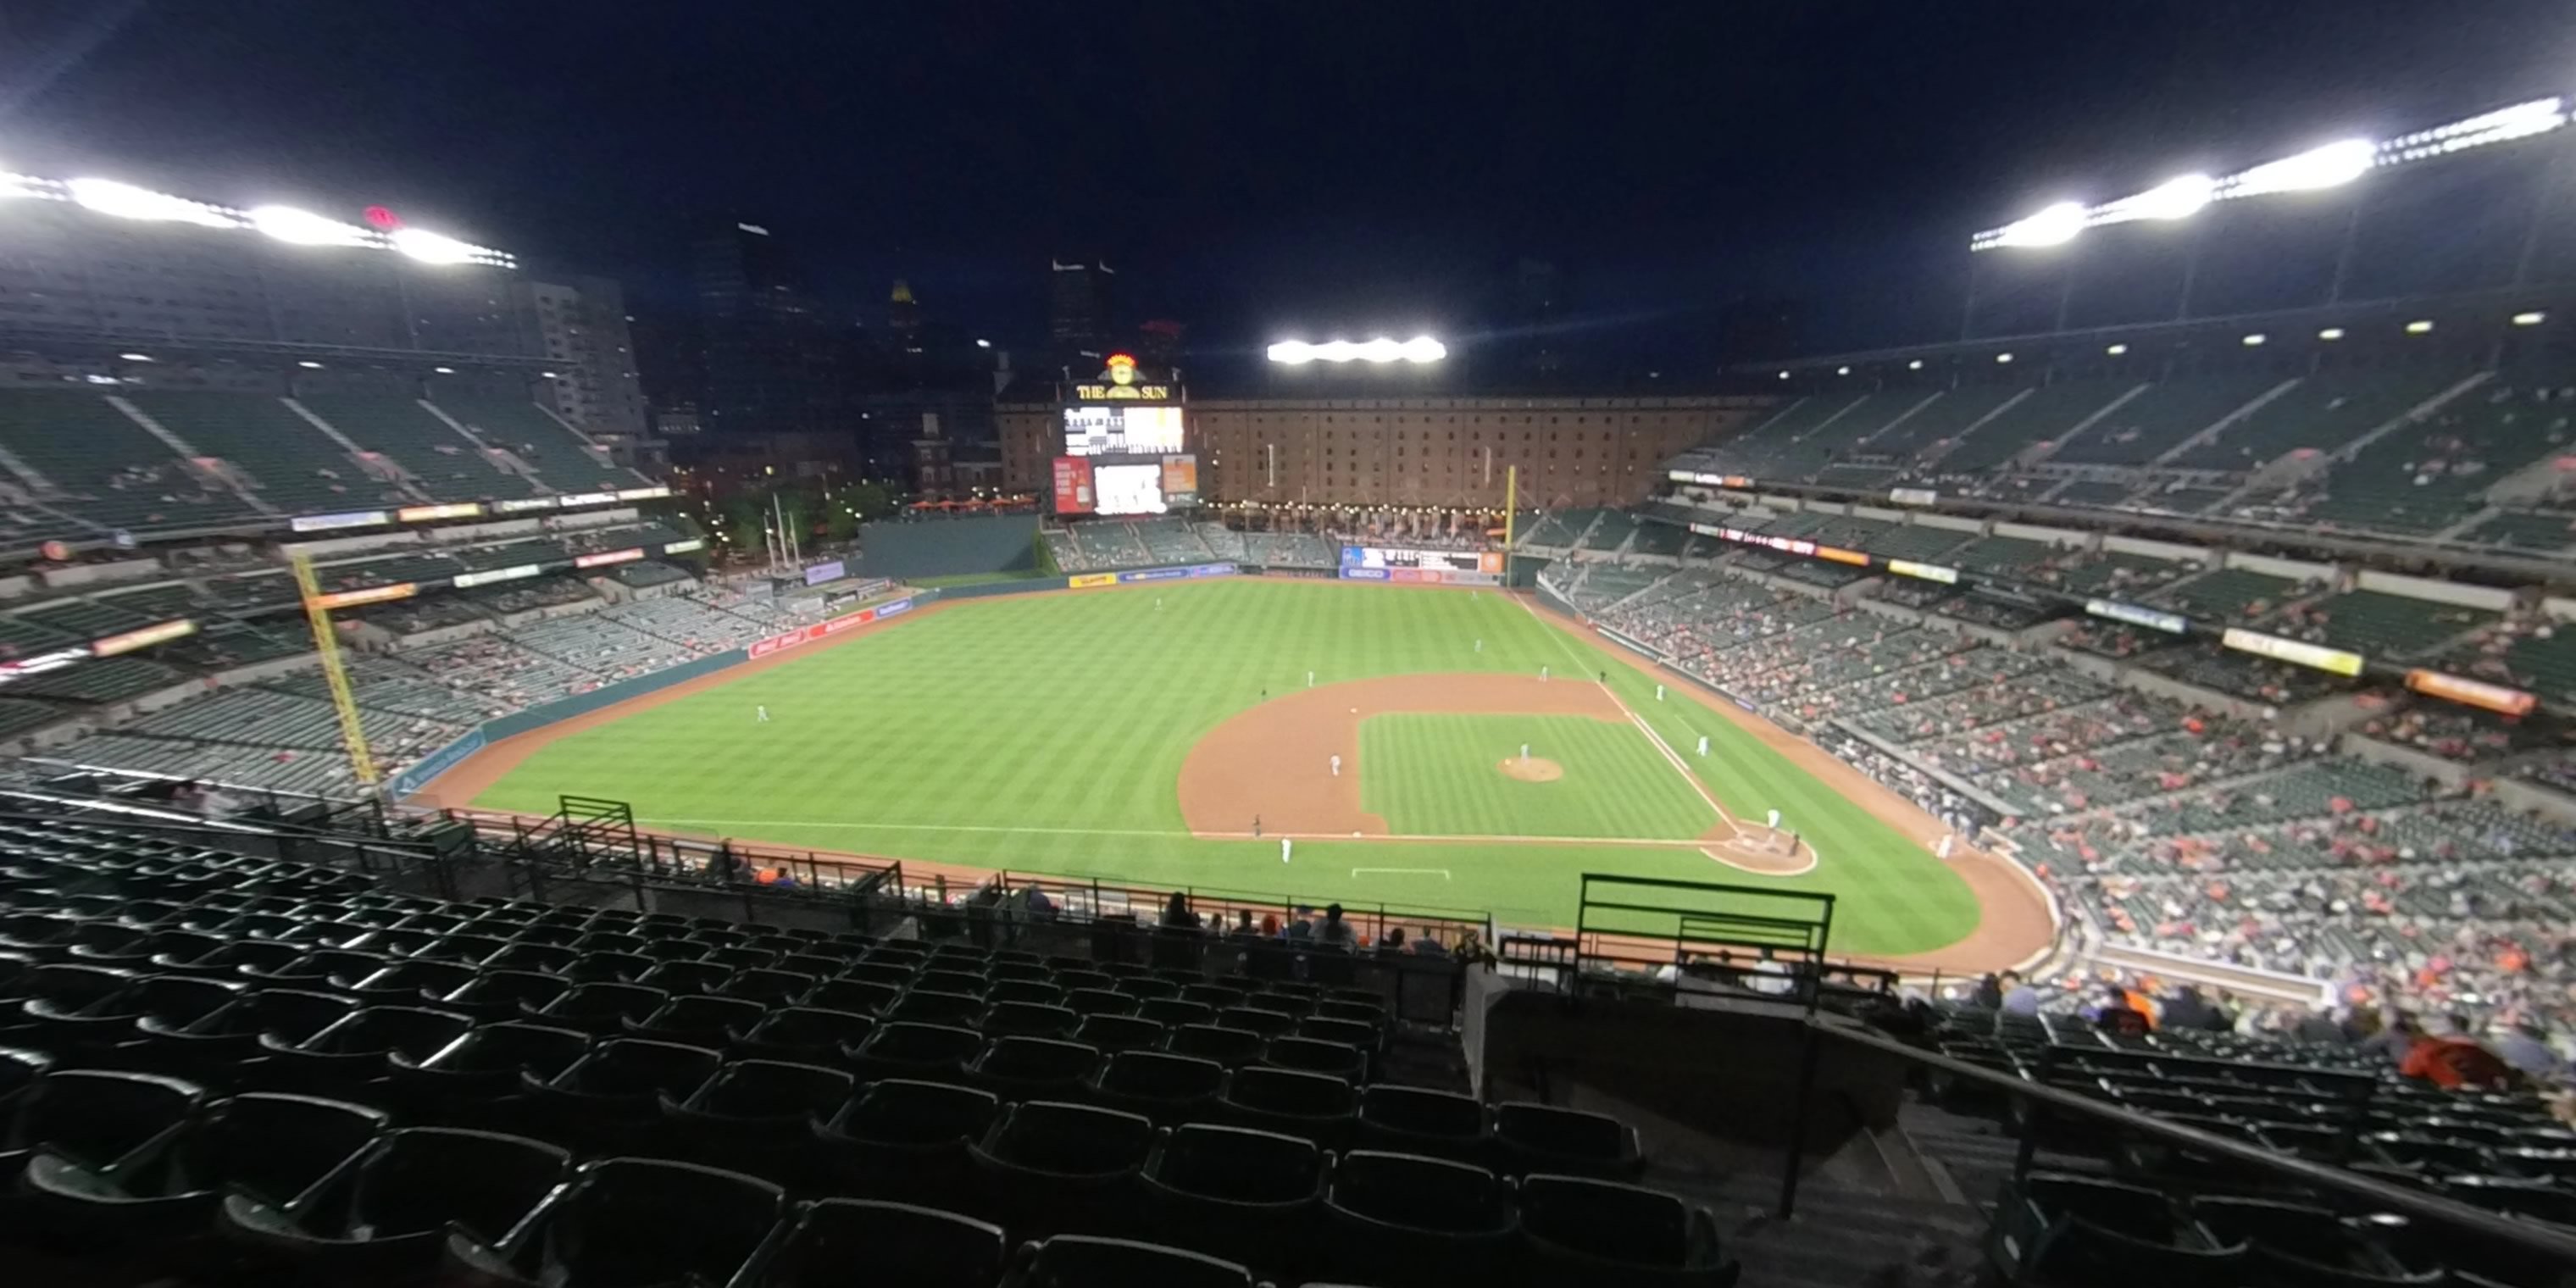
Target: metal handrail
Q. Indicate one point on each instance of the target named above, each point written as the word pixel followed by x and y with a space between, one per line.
pixel 2527 1235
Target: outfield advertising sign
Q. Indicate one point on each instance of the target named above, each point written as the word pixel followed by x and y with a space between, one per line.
pixel 437 762
pixel 1090 580
pixel 1364 574
pixel 825 630
pixel 1178 574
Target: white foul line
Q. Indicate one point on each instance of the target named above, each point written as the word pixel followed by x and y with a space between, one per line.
pixel 1444 872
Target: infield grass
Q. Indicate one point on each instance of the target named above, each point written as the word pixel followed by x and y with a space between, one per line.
pixel 1046 733
pixel 1441 775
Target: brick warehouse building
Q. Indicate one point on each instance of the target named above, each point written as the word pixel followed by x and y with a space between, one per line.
pixel 1429 451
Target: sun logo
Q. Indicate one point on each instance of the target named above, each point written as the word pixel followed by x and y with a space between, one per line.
pixel 1122 369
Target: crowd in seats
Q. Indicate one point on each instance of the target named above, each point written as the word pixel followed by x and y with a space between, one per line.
pixel 2425 475
pixel 432 456
pixel 210 1058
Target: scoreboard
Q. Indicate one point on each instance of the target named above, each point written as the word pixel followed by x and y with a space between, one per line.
pixel 1458 567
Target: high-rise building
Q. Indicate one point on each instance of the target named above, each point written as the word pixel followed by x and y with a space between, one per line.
pixel 581 323
pixel 1079 318
pixel 770 365
pixel 903 317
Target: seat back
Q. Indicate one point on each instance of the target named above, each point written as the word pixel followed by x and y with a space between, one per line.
pixel 275 1146
pixel 858 1243
pixel 426 1177
pixel 1083 1261
pixel 647 1221
pixel 1237 1165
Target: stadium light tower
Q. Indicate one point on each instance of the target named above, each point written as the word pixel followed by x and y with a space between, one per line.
pixel 2322 168
pixel 1419 350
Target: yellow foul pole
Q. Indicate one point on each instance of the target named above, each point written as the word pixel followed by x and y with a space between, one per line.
pixel 326 643
pixel 1511 515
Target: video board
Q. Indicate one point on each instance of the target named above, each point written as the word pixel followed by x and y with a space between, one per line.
pixel 1122 430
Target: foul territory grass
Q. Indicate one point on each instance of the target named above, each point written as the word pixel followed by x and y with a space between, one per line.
pixel 1046 734
pixel 1441 775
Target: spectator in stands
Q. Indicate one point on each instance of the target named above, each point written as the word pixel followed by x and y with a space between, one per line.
pixel 2117 1016
pixel 1038 906
pixel 1177 914
pixel 1243 927
pixel 2316 1027
pixel 1768 976
pixel 1988 995
pixel 1393 942
pixel 2524 1045
pixel 1334 930
pixel 1302 924
pixel 2019 997
pixel 1270 925
pixel 2447 1057
pixel 2395 1037
pixel 723 866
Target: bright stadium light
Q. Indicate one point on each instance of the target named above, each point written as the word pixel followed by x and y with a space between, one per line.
pixel 1784 375
pixel 134 357
pixel 1842 371
pixel 2116 350
pixel 26 185
pixel 309 365
pixel 431 248
pixel 2254 340
pixel 2003 357
pixel 304 228
pixel 2330 166
pixel 2331 333
pixel 443 371
pixel 2533 318
pixel 1419 349
pixel 1916 365
pixel 2420 326
pixel 2179 198
pixel 2054 226
pixel 125 201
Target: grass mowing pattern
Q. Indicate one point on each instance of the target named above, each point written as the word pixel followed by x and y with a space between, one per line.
pixel 1046 734
pixel 1437 775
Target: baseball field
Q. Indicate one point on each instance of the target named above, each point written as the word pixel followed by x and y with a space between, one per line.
pixel 1417 745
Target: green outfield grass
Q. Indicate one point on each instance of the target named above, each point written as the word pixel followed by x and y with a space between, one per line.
pixel 1046 734
pixel 1439 775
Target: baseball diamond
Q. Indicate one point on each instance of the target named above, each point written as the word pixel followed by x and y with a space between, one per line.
pixel 1091 733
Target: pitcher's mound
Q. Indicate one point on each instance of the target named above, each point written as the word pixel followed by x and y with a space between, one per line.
pixel 1536 769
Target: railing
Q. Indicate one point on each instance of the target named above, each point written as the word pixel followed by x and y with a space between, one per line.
pixel 2528 1236
pixel 1220 909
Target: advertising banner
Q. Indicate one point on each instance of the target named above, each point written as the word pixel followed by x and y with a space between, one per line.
pixel 522 505
pixel 2292 651
pixel 825 630
pixel 643 493
pixel 1928 572
pixel 607 557
pixel 2169 623
pixel 437 762
pixel 585 498
pixel 371 595
pixel 21 668
pixel 1912 495
pixel 2476 693
pixel 1091 580
pixel 1177 574
pixel 335 522
pixel 1073 487
pixel 1708 480
pixel 465 580
pixel 128 641
pixel 823 572
pixel 428 513
pixel 1841 556
pixel 684 547
pixel 1364 574
pixel 1180 480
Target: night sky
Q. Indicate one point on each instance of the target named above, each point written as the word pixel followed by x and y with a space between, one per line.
pixel 1252 169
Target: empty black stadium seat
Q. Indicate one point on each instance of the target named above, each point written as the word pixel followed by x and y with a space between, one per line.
pixel 1029 1019
pixel 902 1049
pixel 1397 1218
pixel 901 1137
pixel 504 994
pixel 1579 1230
pixel 353 1051
pixel 602 1009
pixel 630 1221
pixel 1164 1087
pixel 96 1116
pixel 1114 1033
pixel 1417 1120
pixel 483 1077
pixel 758 1117
pixel 1229 1047
pixel 1532 1137
pixel 2058 1229
pixel 611 1098
pixel 273 1147
pixel 858 996
pixel 1034 991
pixel 1234 1193
pixel 1267 1023
pixel 699 1019
pixel 388 1222
pixel 1314 1106
pixel 808 1033
pixel 862 1243
pixel 938 1006
pixel 1080 1261
pixel 1021 1068
pixel 2296 1243
pixel 1051 1165
pixel 1173 1011
pixel 1313 1056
